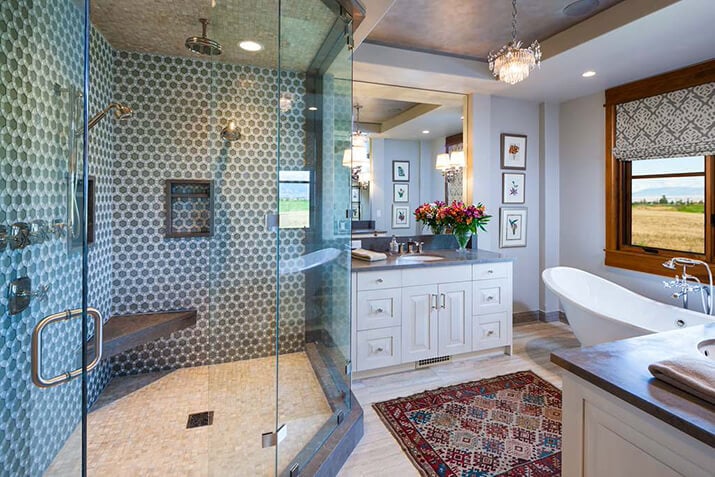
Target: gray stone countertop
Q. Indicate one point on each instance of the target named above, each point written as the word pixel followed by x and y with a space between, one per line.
pixel 621 368
pixel 449 257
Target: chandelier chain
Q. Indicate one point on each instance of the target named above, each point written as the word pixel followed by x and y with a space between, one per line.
pixel 513 21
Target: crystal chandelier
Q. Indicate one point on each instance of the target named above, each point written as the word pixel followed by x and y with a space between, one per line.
pixel 512 63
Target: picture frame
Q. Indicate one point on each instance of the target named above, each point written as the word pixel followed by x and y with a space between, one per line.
pixel 400 192
pixel 400 171
pixel 355 194
pixel 513 151
pixel 355 213
pixel 400 217
pixel 513 187
pixel 512 227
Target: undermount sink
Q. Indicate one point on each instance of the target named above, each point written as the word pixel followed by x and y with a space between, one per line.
pixel 419 258
pixel 707 348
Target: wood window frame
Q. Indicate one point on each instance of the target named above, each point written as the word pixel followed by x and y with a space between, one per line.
pixel 618 253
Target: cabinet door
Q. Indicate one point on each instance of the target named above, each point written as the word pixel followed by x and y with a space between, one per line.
pixel 419 322
pixel 455 318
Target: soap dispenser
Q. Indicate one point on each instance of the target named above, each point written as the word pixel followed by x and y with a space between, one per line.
pixel 394 246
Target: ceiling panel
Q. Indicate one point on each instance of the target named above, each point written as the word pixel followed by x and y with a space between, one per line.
pixel 471 28
pixel 162 26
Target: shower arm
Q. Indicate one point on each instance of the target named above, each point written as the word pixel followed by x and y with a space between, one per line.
pixel 99 116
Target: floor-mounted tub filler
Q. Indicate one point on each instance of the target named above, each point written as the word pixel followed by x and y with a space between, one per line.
pixel 600 311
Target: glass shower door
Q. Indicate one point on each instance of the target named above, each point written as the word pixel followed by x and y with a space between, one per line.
pixel 315 97
pixel 41 395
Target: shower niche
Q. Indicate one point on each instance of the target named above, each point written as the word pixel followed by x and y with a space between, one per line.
pixel 189 208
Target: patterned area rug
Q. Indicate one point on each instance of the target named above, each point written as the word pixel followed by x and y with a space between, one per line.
pixel 507 426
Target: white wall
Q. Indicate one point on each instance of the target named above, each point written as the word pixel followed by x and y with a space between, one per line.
pixel 492 116
pixel 582 197
pixel 423 179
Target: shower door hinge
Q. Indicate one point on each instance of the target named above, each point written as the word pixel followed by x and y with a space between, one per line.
pixel 340 417
pixel 272 222
pixel 348 368
pixel 294 471
pixel 270 439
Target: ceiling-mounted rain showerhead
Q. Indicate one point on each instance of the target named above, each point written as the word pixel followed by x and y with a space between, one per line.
pixel 201 44
pixel 231 133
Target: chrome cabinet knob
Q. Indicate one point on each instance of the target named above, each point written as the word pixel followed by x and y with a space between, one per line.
pixel 490 332
pixel 379 310
pixel 379 280
pixel 490 271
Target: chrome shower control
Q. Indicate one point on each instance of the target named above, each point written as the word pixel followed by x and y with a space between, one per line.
pixel 19 235
pixel 39 232
pixel 3 237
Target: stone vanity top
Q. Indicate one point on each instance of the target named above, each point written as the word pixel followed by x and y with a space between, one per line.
pixel 621 368
pixel 451 257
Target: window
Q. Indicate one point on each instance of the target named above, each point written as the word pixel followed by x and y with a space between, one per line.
pixel 665 204
pixel 294 199
pixel 657 206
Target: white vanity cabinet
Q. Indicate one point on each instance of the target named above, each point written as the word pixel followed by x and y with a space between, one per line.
pixel 436 320
pixel 405 315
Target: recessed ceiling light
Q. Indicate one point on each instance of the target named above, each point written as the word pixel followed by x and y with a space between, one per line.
pixel 426 131
pixel 588 74
pixel 312 108
pixel 249 45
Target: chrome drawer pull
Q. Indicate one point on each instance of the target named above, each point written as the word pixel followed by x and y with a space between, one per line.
pixel 41 381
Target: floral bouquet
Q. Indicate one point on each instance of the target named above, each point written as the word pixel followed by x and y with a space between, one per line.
pixel 463 220
pixel 427 213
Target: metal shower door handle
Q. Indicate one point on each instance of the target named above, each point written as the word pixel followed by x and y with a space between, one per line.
pixel 37 377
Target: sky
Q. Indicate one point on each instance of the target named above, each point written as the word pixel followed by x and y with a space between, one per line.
pixel 674 165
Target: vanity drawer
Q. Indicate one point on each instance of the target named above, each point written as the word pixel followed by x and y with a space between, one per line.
pixel 379 309
pixel 378 348
pixel 491 296
pixel 490 331
pixel 489 271
pixel 379 280
pixel 434 274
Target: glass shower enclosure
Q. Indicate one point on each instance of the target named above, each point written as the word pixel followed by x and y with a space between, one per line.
pixel 174 236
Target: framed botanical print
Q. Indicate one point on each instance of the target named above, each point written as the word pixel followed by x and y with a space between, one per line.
pixel 400 192
pixel 512 227
pixel 400 171
pixel 513 151
pixel 400 217
pixel 513 184
pixel 355 194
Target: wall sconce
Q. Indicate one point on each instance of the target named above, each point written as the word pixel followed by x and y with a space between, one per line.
pixel 356 158
pixel 285 103
pixel 450 165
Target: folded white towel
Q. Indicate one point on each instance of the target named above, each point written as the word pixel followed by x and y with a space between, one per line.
pixel 368 255
pixel 694 375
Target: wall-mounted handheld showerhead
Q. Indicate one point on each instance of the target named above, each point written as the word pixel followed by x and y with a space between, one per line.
pixel 121 111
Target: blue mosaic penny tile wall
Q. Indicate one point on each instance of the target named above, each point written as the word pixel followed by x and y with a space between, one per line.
pixel 41 61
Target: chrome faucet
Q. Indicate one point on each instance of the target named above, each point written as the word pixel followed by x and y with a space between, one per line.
pixel 688 283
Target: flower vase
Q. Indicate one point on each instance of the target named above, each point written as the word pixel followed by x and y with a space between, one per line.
pixel 462 239
pixel 436 229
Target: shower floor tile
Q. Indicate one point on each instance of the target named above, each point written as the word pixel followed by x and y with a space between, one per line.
pixel 142 432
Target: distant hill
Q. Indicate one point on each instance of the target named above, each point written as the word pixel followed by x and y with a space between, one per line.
pixel 671 193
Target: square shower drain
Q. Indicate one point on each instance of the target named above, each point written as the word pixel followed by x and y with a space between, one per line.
pixel 200 419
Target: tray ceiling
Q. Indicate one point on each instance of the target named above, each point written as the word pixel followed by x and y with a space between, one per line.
pixel 472 28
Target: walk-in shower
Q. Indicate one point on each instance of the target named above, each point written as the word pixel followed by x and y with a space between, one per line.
pixel 219 262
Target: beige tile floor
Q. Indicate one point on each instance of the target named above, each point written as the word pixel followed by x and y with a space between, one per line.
pixel 378 454
pixel 144 433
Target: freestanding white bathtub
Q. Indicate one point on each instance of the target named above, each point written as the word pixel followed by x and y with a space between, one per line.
pixel 599 311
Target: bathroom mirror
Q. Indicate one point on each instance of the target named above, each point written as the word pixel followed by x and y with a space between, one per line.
pixel 414 144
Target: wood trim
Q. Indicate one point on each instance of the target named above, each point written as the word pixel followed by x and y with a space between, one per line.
pixel 617 252
pixel 698 74
pixel 613 187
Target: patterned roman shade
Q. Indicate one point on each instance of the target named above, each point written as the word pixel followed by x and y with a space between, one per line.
pixel 676 124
